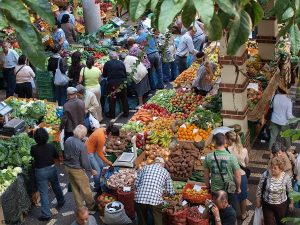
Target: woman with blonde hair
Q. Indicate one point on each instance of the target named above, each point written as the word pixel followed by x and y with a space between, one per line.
pixel 236 148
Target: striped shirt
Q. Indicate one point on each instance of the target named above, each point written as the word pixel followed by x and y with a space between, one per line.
pixel 276 189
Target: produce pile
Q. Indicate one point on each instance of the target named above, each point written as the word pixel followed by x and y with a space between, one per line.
pixel 50 116
pixel 163 98
pixel 123 178
pixel 187 76
pixel 115 143
pixel 190 132
pixel 7 176
pixel 205 119
pixel 254 95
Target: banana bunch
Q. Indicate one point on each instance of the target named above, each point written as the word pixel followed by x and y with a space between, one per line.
pixel 164 139
pixel 152 138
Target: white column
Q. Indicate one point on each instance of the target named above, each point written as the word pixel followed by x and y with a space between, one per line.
pixel 92 16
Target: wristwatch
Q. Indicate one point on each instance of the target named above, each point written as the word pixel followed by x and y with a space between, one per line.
pixel 217 219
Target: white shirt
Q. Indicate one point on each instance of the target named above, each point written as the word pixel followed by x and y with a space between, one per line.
pixel 186 45
pixel 10 60
pixel 24 75
pixel 282 109
pixel 297 169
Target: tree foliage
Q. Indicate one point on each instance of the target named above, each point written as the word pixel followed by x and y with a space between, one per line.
pixel 16 13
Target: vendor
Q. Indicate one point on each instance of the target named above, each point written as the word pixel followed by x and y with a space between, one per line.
pixel 95 147
pixel 150 184
pixel 219 210
pixel 203 82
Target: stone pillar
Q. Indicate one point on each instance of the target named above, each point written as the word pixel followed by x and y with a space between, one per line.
pixel 234 90
pixel 92 16
pixel 267 35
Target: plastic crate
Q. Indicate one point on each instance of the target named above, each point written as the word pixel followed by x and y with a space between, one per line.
pixel 43 75
pixel 46 92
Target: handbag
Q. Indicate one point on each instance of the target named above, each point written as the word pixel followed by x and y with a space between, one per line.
pixel 60 79
pixel 229 186
pixel 141 70
pixel 270 111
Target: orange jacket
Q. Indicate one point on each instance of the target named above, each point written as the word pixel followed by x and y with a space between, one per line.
pixel 95 143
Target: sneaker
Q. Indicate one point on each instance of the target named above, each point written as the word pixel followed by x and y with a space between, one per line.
pixel 41 218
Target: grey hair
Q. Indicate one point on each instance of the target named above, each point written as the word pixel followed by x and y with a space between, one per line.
pixel 113 55
pixel 80 132
pixel 81 210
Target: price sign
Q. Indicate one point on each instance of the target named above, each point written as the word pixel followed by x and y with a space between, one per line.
pixel 202 157
pixel 253 86
pixel 195 131
pixel 183 126
pixel 201 209
pixel 126 189
pixel 184 202
pixel 197 188
pixel 138 122
pixel 154 118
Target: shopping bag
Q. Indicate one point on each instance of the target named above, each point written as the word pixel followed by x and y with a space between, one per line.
pixel 141 70
pixel 60 79
pixel 258 217
pixel 93 122
pixel 61 139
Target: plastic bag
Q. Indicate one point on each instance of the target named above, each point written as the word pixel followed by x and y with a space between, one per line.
pixel 116 217
pixel 60 79
pixel 258 217
pixel 93 122
pixel 265 133
pixel 61 139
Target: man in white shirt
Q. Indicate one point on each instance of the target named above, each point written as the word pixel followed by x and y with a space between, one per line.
pixel 9 60
pixel 282 112
pixel 185 47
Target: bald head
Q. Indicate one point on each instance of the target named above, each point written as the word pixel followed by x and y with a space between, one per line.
pixel 222 196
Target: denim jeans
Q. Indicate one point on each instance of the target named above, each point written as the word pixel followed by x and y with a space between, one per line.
pixel 97 164
pixel 61 94
pixel 156 66
pixel 181 63
pixel 170 71
pixel 10 79
pixel 43 177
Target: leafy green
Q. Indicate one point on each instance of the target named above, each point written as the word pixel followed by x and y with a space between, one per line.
pixel 205 119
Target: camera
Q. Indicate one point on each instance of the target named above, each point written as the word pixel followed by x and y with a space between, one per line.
pixel 210 204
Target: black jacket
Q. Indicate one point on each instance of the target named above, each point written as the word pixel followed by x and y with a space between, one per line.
pixel 115 72
pixel 52 65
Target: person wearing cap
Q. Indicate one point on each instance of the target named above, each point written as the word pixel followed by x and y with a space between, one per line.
pixel 282 112
pixel 222 168
pixel 90 101
pixel 150 184
pixel 74 112
pixel 185 47
pixel 278 149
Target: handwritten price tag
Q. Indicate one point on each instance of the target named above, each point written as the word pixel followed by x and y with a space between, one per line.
pixel 183 126
pixel 195 131
pixel 201 209
pixel 138 122
pixel 126 189
pixel 155 118
pixel 184 202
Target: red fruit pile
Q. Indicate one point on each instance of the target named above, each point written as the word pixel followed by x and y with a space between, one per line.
pixel 156 110
pixel 185 102
pixel 140 141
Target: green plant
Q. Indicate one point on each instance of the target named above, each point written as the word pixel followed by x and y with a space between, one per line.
pixel 16 13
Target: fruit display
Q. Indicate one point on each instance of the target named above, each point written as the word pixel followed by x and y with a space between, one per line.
pixel 187 76
pixel 194 195
pixel 115 143
pixel 185 102
pixel 153 151
pixel 195 217
pixel 143 116
pixel 254 95
pixel 253 65
pixel 156 110
pixel 133 127
pixel 123 178
pixel 7 177
pixel 181 161
pixel 205 119
pixel 163 98
pixel 140 141
pixel 190 132
pixel 178 186
pixel 51 117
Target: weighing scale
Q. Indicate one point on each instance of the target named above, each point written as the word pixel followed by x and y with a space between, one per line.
pixel 10 127
pixel 127 159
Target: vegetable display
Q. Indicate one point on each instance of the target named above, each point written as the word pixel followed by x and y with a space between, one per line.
pixel 163 98
pixel 7 176
pixel 123 178
pixel 205 119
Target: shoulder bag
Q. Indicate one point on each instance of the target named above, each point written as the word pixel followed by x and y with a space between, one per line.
pixel 270 111
pixel 60 79
pixel 246 169
pixel 19 70
pixel 229 186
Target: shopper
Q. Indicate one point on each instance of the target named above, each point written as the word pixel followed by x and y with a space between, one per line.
pixel 9 60
pixel 90 78
pixel 67 10
pixel 150 184
pixel 68 28
pixel 203 83
pixel 223 169
pixel 199 38
pixel 24 75
pixel 236 148
pixel 146 40
pixel 54 62
pixel 59 37
pixel 279 150
pixel 90 100
pixel 272 193
pixel 96 148
pixel 115 72
pixel 75 68
pixel 185 47
pixel 282 112
pixel 143 86
pixel 44 156
pixel 219 211
pixel 76 165
pixel 83 217
pixel 74 112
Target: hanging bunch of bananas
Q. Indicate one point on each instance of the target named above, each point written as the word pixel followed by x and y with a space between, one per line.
pixel 253 65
